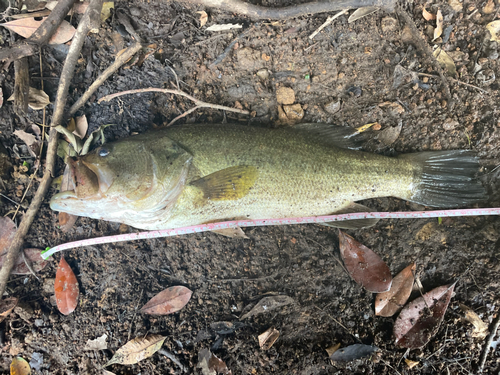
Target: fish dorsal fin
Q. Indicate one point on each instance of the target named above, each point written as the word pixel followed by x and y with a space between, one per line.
pixel 332 135
pixel 352 224
pixel 232 232
pixel 228 184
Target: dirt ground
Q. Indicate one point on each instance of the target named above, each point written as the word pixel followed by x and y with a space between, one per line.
pixel 344 76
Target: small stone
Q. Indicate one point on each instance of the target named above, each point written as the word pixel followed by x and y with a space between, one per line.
pixel 39 322
pixel 263 74
pixel 123 228
pixel 450 124
pixel 389 24
pixel 294 113
pixel 285 95
pixel 48 285
pixel 332 107
pixel 136 12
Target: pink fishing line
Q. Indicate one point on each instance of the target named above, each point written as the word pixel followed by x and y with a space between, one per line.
pixel 257 223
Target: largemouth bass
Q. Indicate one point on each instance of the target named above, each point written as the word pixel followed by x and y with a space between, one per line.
pixel 196 174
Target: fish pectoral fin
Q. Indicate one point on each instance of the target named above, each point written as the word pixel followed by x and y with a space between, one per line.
pixel 232 232
pixel 352 224
pixel 228 184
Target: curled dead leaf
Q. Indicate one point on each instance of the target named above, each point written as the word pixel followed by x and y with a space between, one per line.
pixel 6 307
pixel 390 302
pixel 480 328
pixel 168 301
pixel 268 338
pixel 267 304
pixel 445 61
pixel 439 25
pixel 411 363
pixel 27 26
pixel 363 265
pixel 428 16
pixel 332 349
pixel 210 364
pixel 203 17
pixel 137 349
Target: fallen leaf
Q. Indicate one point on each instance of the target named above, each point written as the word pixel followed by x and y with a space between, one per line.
pixel 27 26
pixel 203 17
pixel 106 10
pixel 7 232
pixel 489 7
pixel 37 99
pixel 361 12
pixel 97 344
pixel 332 349
pixel 439 25
pixel 6 307
pixel 66 221
pixel 268 338
pixel 19 366
pixel 28 139
pixel 168 301
pixel 137 349
pixel 494 29
pixel 232 232
pixel 33 256
pixel 66 288
pixel 390 302
pixel 211 364
pixel 480 327
pixel 64 149
pixel 267 304
pixel 420 319
pixel 227 26
pixel 411 363
pixel 445 61
pixel 428 16
pixel 353 352
pixel 363 265
pixel 81 126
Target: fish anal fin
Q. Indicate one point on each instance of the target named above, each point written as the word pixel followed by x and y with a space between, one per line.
pixel 352 224
pixel 227 184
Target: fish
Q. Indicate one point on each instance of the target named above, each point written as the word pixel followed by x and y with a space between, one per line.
pixel 204 173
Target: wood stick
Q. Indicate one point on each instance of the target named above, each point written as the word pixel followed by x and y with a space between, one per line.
pixel 90 21
pixel 258 12
pixel 21 86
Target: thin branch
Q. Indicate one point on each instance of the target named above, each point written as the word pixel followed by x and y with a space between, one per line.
pixel 198 103
pixel 89 21
pixel 456 81
pixel 120 60
pixel 41 36
pixel 258 12
pixel 328 21
pixel 487 344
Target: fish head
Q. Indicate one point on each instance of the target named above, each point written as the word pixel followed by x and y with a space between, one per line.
pixel 125 181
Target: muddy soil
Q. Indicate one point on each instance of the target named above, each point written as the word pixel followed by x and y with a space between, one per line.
pixel 349 74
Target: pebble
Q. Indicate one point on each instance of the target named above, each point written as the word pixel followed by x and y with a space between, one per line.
pixel 332 107
pixel 285 95
pixel 136 12
pixel 450 124
pixel 294 113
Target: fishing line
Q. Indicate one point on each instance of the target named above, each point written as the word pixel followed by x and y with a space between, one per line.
pixel 258 223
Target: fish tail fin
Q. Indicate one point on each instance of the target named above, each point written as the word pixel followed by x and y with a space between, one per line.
pixel 447 178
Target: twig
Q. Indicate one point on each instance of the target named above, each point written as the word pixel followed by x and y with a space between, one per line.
pixel 426 50
pixel 21 86
pixel 89 21
pixel 119 61
pixel 198 103
pixel 456 81
pixel 28 264
pixel 340 324
pixel 230 46
pixel 41 36
pixel 135 314
pixel 258 12
pixel 487 344
pixel 328 21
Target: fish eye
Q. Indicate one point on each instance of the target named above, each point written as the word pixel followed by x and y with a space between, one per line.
pixel 103 152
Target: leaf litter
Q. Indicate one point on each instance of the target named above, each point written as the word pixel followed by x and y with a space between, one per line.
pixel 137 349
pixel 19 366
pixel 419 321
pixel 168 301
pixel 480 327
pixel 267 304
pixel 210 364
pixel 25 27
pixel 6 307
pixel 364 266
pixel 66 288
pixel 268 338
pixel 389 303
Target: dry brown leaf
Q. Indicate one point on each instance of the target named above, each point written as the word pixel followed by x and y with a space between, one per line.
pixel 420 319
pixel 439 25
pixel 81 126
pixel 411 363
pixel 6 307
pixel 19 366
pixel 268 338
pixel 137 349
pixel 168 301
pixel 445 61
pixel 489 7
pixel 210 364
pixel 66 288
pixel 428 16
pixel 332 349
pixel 37 99
pixel 33 256
pixel 494 29
pixel 390 302
pixel 480 327
pixel 363 265
pixel 27 26
pixel 203 17
pixel 30 141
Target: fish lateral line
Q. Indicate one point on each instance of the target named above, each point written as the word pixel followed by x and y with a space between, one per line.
pixel 269 222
